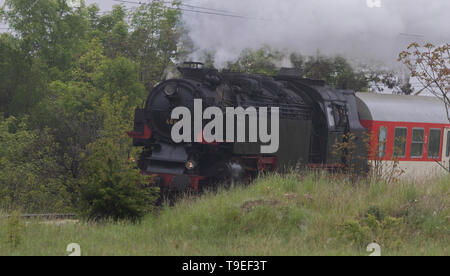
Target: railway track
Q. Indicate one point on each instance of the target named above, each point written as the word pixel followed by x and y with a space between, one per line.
pixel 47 216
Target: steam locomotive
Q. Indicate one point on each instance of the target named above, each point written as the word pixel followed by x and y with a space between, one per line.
pixel 313 118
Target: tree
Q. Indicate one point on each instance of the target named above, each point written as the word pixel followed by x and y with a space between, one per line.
pixel 336 71
pixel 112 29
pixel 430 65
pixel 265 61
pixel 76 110
pixel 48 29
pixel 30 176
pixel 23 80
pixel 11 65
pixel 155 39
pixel 48 36
pixel 74 77
pixel 380 79
pixel 113 188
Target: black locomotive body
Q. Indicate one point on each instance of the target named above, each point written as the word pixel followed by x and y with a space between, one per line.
pixel 312 119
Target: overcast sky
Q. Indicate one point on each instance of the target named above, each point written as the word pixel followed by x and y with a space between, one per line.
pixel 347 27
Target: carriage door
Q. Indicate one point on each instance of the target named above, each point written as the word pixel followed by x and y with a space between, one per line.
pixel 446 153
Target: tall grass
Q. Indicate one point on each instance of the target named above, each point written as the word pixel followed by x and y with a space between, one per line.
pixel 277 215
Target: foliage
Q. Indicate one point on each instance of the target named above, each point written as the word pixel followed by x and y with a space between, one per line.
pixel 113 189
pixel 15 229
pixel 74 77
pixel 48 29
pixel 346 149
pixel 293 214
pixel 112 29
pixel 30 177
pixel 335 71
pixel 382 167
pixel 380 79
pixel 383 231
pixel 154 40
pixel 429 64
pixel 22 79
pixel 262 61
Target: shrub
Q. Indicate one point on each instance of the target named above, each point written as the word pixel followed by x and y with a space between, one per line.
pixel 30 177
pixel 112 187
pixel 14 229
pixel 384 229
pixel 376 212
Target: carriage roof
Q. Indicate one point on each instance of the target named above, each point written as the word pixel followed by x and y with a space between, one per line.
pixel 400 108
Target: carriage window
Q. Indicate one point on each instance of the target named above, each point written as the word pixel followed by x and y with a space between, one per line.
pixel 382 139
pixel 434 145
pixel 448 144
pixel 401 134
pixel 417 142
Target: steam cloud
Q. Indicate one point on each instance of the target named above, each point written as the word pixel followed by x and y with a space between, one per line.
pixel 346 27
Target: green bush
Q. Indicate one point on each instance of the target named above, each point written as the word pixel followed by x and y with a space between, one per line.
pixel 30 177
pixel 14 229
pixel 384 230
pixel 113 189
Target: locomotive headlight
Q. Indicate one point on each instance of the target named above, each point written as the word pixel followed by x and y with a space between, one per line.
pixel 170 89
pixel 190 165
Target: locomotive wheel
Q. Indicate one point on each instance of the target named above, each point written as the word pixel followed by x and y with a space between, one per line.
pixel 227 175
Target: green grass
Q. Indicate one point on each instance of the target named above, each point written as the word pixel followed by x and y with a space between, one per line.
pixel 277 215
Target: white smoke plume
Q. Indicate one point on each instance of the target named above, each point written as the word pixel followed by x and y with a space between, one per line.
pixel 346 27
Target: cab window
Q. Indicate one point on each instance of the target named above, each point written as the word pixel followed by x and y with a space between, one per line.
pixel 340 115
pixel 401 134
pixel 434 145
pixel 331 121
pixel 418 137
